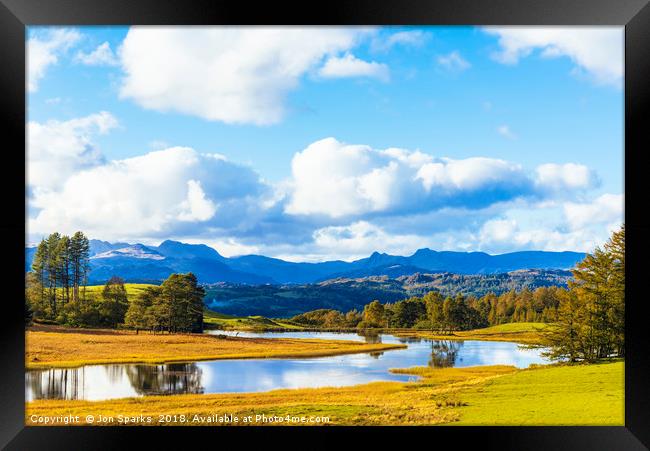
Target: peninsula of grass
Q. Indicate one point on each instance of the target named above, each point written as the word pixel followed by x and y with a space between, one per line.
pixel 485 395
pixel 54 346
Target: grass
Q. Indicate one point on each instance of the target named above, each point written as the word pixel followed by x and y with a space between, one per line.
pixel 95 291
pixel 494 395
pixel 52 346
pixel 252 323
pixel 585 395
pixel 526 333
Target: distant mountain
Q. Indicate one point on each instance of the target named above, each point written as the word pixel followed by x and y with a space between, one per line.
pixel 344 294
pixel 138 262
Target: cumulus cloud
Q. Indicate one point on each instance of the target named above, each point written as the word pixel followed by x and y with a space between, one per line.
pixel 360 239
pixel 507 235
pixel 338 180
pixel 565 177
pixel 342 201
pixel 453 62
pixel 44 50
pixel 57 149
pixel 606 209
pixel 158 193
pixel 102 56
pixel 228 74
pixel 598 51
pixel 350 66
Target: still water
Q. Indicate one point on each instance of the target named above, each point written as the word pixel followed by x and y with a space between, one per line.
pixel 97 382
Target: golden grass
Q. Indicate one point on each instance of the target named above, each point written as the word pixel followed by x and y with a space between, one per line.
pixel 52 346
pixel 486 395
pixel 373 404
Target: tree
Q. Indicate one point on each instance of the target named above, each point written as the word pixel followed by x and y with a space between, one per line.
pixel 114 302
pixel 179 306
pixel 52 263
pixel 40 272
pixel 591 315
pixel 34 296
pixel 63 252
pixel 139 315
pixel 353 318
pixel 433 302
pixel 564 337
pixel 79 263
pixel 373 314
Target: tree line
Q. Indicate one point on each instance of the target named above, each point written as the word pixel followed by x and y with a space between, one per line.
pixel 59 273
pixel 433 311
pixel 55 292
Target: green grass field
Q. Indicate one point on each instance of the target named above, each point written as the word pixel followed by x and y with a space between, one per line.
pixel 554 395
pixel 132 290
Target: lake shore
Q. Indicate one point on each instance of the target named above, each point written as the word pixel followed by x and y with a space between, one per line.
pixel 483 395
pixel 56 346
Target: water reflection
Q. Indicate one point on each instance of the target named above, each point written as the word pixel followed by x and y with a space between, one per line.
pixel 444 353
pixel 168 379
pixel 97 382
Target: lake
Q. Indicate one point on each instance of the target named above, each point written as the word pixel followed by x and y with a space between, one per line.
pixel 98 382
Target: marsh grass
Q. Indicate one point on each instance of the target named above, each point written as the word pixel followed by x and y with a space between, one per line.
pixel 52 346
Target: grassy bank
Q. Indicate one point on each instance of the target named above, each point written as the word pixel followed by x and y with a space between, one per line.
pixel 525 333
pixel 496 395
pixel 216 320
pixel 52 346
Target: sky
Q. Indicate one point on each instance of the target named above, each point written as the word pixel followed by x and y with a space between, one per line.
pixel 321 143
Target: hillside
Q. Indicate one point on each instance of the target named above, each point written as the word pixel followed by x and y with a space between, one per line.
pixel 152 264
pixel 283 301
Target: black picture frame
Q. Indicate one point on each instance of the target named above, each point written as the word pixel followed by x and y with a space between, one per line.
pixel 15 15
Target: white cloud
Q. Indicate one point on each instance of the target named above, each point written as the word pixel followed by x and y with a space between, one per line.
pixel 561 177
pixel 350 66
pixel 468 174
pixel 44 50
pixel 159 193
pixel 360 239
pixel 505 131
pixel 338 180
pixel 57 149
pixel 229 74
pixel 414 38
pixel 606 210
pixel 453 62
pixel 596 50
pixel 101 56
pixel 196 207
pixel 507 235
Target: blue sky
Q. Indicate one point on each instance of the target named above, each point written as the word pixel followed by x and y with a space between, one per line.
pixel 284 142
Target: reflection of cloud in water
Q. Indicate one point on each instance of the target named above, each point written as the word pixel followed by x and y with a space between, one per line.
pixel 94 382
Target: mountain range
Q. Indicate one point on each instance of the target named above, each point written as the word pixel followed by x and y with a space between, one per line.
pixel 140 263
